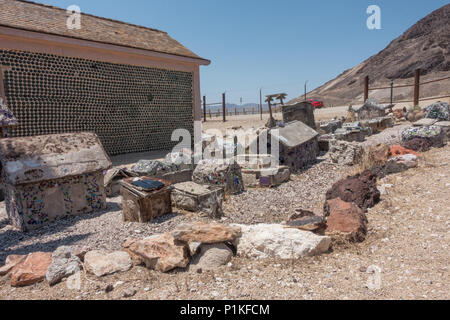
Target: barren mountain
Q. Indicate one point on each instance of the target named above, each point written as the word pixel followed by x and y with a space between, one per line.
pixel 425 45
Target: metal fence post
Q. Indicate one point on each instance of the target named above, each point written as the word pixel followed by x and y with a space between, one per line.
pixel 204 108
pixel 366 88
pixel 416 86
pixel 223 106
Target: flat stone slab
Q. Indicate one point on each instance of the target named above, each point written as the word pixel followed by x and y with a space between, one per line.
pixel 425 122
pixel 196 197
pixel 442 124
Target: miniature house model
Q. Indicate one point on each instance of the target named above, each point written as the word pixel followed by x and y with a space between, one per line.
pixel 52 176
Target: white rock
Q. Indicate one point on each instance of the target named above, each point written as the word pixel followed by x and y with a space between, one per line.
pixel 102 263
pixel 212 256
pixel 273 240
pixel 64 264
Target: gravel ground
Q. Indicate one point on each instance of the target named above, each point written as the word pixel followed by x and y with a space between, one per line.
pixel 407 241
pixel 106 229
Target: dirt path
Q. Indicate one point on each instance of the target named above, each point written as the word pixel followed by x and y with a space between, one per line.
pixel 408 242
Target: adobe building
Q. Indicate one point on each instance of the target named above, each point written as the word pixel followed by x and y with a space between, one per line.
pixel 129 84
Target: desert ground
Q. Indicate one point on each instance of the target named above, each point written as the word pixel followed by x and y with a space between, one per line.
pixel 406 248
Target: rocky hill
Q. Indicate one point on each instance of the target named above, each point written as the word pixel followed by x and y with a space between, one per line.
pixel 425 45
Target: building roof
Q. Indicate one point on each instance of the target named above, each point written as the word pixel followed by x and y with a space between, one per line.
pixel 40 158
pixel 38 17
pixel 294 134
pixel 7 118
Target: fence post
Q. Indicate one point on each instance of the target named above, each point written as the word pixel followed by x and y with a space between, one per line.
pixel 210 115
pixel 204 108
pixel 260 104
pixel 392 91
pixel 366 88
pixel 416 86
pixel 223 106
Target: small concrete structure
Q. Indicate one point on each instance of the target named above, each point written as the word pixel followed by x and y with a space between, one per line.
pixel 225 173
pixel 52 176
pixel 267 177
pixel 370 110
pixel 112 180
pixel 194 197
pixel 298 144
pixel 140 204
pixel 302 111
pixel 257 170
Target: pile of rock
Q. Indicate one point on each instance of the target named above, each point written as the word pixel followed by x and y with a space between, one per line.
pixel 226 173
pixel 207 245
pixel 345 153
pixel 423 138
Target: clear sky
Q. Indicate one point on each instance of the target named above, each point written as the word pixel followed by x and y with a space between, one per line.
pixel 273 44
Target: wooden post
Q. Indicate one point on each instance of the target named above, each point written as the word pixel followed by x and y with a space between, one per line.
pixel 260 104
pixel 416 87
pixel 392 91
pixel 223 107
pixel 270 110
pixel 366 88
pixel 210 115
pixel 204 108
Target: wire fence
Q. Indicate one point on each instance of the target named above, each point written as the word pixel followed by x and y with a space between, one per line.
pixel 416 92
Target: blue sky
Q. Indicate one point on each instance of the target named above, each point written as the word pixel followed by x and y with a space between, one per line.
pixel 276 45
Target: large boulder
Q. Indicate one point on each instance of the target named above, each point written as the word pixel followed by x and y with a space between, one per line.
pixel 401 163
pixel 345 220
pixel 345 153
pixel 160 252
pixel 360 189
pixel 438 110
pixel 206 233
pixel 276 241
pixel 379 154
pixel 10 263
pixel 224 173
pixel 31 270
pixel 102 263
pixel 418 144
pixel 211 256
pixel 64 264
pixel 434 134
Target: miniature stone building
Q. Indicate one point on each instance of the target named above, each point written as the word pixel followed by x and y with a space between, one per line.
pixel 370 110
pixel 52 176
pixel 298 144
pixel 224 173
pixel 7 119
pixel 195 197
pixel 131 85
pixel 257 171
pixel 145 198
pixel 302 111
